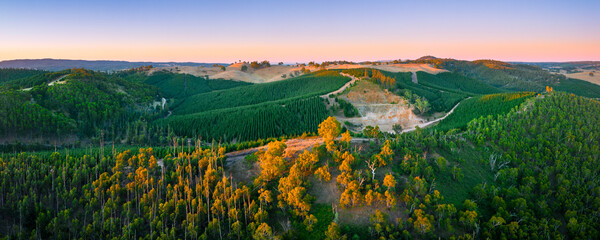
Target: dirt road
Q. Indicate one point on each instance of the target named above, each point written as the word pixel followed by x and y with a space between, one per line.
pixel 343 87
pixel 414 78
pixel 293 147
pixel 55 81
pixel 425 124
pixel 299 144
pixel 58 80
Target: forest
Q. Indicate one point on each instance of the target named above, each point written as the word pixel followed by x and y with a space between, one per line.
pixel 513 77
pixel 9 74
pixel 309 85
pixel 291 117
pixel 187 120
pixel 83 103
pixel 81 108
pixel 486 105
pixel 172 85
pixel 526 173
pixel 145 156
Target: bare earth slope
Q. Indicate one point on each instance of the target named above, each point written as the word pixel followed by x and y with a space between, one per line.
pixel 585 75
pixel 399 67
pixel 378 107
pixel 234 72
pixel 280 72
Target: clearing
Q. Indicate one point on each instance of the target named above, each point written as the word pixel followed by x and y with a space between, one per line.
pixel 409 67
pixel 425 124
pixel 55 81
pixel 280 72
pixel 399 67
pixel 585 75
pixel 58 80
pixel 234 72
pixel 325 192
pixel 378 107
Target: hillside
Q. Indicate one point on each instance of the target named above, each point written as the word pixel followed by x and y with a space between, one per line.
pixel 481 107
pixel 426 99
pixel 11 74
pixel 75 107
pixel 516 76
pixel 272 119
pixel 236 73
pixel 566 66
pixel 96 65
pixel 307 85
pixel 85 103
pixel 281 72
pixel 375 107
pixel 259 111
pixel 495 176
pixel 143 100
pixel 297 120
pixel 31 80
pixel 174 85
pixel 506 76
pixel 592 76
pixel 489 158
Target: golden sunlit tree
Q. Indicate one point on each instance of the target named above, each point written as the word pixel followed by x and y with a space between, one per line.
pixel 422 221
pixel 390 199
pixel 329 130
pixel 263 232
pixel 271 161
pixel 389 181
pixel 264 197
pixel 346 139
pixel 306 162
pixel 292 193
pixel 323 174
pixel 369 197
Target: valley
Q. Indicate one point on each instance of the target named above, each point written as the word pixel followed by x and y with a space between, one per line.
pixel 421 149
pixel 299 120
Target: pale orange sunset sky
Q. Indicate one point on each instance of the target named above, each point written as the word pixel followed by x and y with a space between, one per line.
pixel 228 31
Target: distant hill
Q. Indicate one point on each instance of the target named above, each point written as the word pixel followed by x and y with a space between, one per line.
pixel 567 66
pixel 426 58
pixel 99 65
pixel 512 77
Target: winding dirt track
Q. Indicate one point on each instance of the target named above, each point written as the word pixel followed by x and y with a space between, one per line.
pixel 299 144
pixel 414 78
pixel 55 81
pixel 425 124
pixel 343 87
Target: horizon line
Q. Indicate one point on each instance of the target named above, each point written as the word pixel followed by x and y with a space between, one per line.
pixel 293 62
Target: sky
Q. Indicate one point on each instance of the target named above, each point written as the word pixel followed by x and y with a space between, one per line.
pixel 299 31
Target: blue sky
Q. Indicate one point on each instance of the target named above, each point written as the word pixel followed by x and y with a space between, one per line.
pixel 300 30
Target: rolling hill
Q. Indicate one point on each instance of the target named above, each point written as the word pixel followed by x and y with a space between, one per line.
pixel 49 64
pixel 170 100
